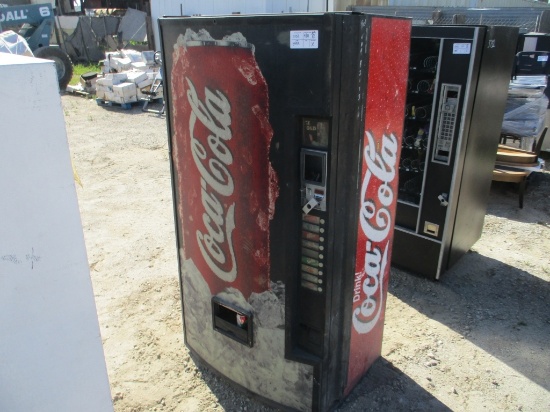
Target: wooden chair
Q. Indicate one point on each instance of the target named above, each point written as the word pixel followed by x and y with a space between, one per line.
pixel 537 144
pixel 515 165
pixel 509 176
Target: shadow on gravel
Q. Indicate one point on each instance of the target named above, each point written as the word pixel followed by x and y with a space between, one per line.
pixel 387 388
pixel 503 310
pixel 129 109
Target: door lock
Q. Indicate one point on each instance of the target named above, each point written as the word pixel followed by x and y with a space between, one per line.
pixel 443 199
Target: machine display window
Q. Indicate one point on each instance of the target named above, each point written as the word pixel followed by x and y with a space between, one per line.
pixel 314 168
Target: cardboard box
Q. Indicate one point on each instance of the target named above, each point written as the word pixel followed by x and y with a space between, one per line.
pixel 139 66
pixel 109 96
pixel 148 57
pixel 145 83
pixel 136 76
pixel 112 79
pixel 126 90
pixel 121 64
pixel 103 89
pixel 124 99
pixel 152 74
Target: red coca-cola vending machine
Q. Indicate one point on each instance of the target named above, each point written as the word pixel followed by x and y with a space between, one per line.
pixel 285 136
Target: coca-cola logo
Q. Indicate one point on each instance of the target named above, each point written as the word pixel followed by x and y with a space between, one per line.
pixel 376 224
pixel 212 158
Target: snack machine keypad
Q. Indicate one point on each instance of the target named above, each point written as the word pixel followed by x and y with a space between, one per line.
pixel 446 123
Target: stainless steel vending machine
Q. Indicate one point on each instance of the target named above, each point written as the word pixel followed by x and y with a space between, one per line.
pixel 457 90
pixel 285 133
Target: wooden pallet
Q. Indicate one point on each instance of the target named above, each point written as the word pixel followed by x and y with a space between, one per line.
pixel 109 103
pixel 80 93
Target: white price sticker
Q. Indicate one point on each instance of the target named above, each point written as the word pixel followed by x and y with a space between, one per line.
pixel 462 48
pixel 304 39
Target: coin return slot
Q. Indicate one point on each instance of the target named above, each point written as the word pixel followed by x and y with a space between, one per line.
pixel 232 322
pixel 431 228
pixel 310 339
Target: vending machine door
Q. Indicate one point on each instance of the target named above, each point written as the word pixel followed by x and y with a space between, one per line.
pixel 253 108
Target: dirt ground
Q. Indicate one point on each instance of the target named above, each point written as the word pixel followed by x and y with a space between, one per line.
pixel 476 340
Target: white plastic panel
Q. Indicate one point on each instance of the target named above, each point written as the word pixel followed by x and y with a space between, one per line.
pixel 51 354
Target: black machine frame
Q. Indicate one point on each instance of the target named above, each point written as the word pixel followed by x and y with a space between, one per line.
pixel 445 218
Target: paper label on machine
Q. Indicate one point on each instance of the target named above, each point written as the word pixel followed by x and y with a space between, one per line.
pixel 304 39
pixel 462 48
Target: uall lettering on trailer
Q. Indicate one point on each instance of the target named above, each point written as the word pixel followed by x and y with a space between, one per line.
pixel 21 15
pixel 15 15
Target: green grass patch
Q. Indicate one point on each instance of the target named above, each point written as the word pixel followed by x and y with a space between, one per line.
pixel 80 69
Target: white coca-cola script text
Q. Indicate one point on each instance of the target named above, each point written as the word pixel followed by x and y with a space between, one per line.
pixel 215 179
pixel 376 224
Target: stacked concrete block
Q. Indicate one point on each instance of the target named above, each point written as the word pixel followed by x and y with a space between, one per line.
pixel 136 76
pixel 127 74
pixel 104 85
pixel 121 64
pixel 148 57
pixel 133 55
pixel 124 60
pixel 139 66
pixel 145 84
pixel 112 79
pixel 125 93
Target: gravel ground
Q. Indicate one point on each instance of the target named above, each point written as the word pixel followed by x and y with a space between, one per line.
pixel 476 340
